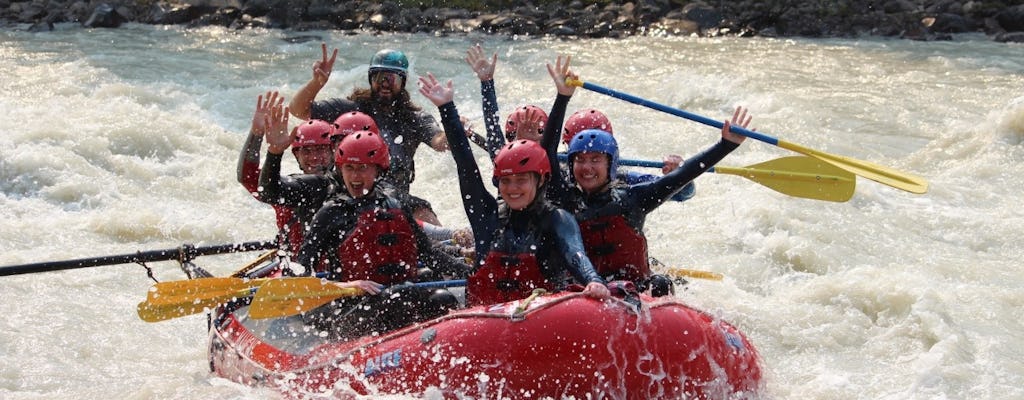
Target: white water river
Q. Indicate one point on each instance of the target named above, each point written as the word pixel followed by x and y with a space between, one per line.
pixel 113 141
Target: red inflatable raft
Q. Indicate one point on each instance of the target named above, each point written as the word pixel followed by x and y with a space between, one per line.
pixel 558 346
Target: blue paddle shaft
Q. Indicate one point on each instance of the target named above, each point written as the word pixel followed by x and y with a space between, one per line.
pixel 680 113
pixel 436 284
pixel 632 163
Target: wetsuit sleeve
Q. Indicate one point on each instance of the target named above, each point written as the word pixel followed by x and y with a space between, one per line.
pixel 570 245
pixel 652 194
pixel 303 190
pixel 329 225
pixel 558 189
pixel 437 233
pixel 632 178
pixel 481 207
pixel 433 257
pixel 249 163
pixel 495 136
pixel 426 128
pixel 330 109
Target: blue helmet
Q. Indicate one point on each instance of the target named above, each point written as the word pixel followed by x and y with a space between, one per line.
pixel 391 61
pixel 597 141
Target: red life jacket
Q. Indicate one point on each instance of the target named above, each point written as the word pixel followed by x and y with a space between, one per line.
pixel 505 277
pixel 381 248
pixel 615 247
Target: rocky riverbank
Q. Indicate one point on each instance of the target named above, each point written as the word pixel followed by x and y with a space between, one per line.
pixel 1002 20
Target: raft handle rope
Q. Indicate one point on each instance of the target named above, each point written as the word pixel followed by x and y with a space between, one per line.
pixel 149 271
pixel 520 312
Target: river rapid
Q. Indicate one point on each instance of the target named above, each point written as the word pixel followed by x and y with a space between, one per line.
pixel 113 141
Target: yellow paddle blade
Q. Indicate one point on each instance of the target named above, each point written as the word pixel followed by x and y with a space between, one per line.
pixel 875 172
pixel 799 176
pixel 289 296
pixel 165 309
pixel 690 273
pixel 173 292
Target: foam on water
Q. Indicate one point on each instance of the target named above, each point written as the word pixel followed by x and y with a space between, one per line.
pixel 120 140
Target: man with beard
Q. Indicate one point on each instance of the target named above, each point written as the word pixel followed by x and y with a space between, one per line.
pixel 403 125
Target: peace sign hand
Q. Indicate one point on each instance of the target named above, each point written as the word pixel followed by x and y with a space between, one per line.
pixel 322 68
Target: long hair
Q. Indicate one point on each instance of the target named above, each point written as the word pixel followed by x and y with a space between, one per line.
pixel 400 109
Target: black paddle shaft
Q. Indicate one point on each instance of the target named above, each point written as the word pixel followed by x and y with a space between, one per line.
pixel 182 254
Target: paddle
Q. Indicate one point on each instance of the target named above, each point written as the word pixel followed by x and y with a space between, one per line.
pixel 796 176
pixel 174 299
pixel 875 172
pixel 690 273
pixel 182 254
pixel 290 296
pixel 161 311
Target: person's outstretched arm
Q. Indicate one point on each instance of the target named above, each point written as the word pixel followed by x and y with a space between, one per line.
pixel 558 188
pixel 570 245
pixel 652 194
pixel 481 207
pixel 249 160
pixel 484 69
pixel 303 99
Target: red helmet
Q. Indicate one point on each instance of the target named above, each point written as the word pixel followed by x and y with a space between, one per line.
pixel 362 147
pixel 313 133
pixel 522 156
pixel 520 113
pixel 353 121
pixel 585 119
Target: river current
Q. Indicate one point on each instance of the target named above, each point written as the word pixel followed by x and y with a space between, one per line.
pixel 113 141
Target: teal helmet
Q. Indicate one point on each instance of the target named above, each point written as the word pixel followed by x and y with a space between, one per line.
pixel 391 61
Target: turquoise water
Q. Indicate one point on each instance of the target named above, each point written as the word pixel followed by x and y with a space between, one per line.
pixel 120 140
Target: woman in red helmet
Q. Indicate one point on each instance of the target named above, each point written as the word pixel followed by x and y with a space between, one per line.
pixel 367 234
pixel 522 241
pixel 313 152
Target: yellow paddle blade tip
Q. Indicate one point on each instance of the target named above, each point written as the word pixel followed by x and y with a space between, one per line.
pixel 689 273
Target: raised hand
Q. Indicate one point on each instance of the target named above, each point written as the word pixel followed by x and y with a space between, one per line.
pixel 478 61
pixel 740 119
pixel 259 118
pixel 278 138
pixel 433 90
pixel 322 68
pixel 529 125
pixel 559 73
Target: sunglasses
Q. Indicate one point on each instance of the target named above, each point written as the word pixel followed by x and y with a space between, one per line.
pixel 390 77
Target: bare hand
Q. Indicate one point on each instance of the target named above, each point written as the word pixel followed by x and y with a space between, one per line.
pixel 597 291
pixel 370 287
pixel 278 138
pixel 530 125
pixel 467 126
pixel 259 118
pixel 559 73
pixel 671 162
pixel 484 69
pixel 740 119
pixel 437 93
pixel 322 68
pixel 463 237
